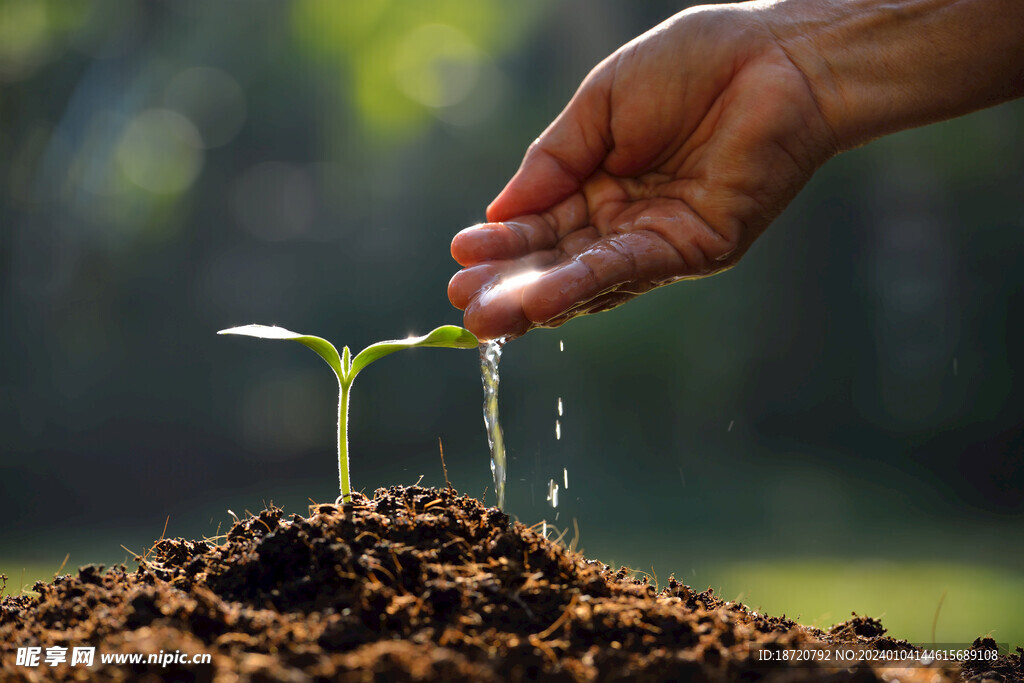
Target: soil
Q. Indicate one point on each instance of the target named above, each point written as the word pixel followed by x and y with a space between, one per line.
pixel 425 585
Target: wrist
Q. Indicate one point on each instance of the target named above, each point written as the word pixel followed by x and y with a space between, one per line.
pixel 879 66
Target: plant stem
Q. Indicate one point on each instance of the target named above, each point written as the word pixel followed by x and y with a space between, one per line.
pixel 343 478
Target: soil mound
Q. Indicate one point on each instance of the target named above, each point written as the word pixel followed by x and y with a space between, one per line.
pixel 426 585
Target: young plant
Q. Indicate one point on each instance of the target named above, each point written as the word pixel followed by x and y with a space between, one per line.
pixel 346 368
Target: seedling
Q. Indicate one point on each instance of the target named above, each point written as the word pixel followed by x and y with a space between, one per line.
pixel 346 368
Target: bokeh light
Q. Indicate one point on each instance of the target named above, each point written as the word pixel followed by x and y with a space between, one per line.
pixel 437 65
pixel 160 151
pixel 26 41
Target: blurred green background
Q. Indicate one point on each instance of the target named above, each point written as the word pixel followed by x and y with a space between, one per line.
pixel 836 425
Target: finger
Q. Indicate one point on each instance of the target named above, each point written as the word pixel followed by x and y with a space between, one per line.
pixel 565 154
pixel 491 294
pixel 497 312
pixel 642 256
pixel 468 282
pixel 508 240
pixel 472 282
pixel 519 238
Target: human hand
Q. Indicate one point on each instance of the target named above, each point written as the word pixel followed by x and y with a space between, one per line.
pixel 673 156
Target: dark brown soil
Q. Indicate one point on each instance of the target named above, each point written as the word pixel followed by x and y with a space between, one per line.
pixel 419 584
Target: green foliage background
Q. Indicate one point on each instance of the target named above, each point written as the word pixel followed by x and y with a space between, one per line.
pixel 850 394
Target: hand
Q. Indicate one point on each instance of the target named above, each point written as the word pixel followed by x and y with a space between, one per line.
pixel 673 156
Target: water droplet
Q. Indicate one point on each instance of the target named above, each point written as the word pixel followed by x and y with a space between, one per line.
pixel 565 477
pixel 558 430
pixel 490 355
pixel 561 345
pixel 553 493
pixel 544 529
pixel 560 404
pixel 954 366
pixel 730 425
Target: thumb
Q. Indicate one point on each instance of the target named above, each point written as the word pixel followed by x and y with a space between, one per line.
pixel 565 154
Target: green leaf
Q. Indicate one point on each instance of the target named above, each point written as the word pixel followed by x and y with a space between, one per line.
pixel 324 348
pixel 446 336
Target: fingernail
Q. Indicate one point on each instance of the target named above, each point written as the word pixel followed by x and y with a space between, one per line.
pixel 477 226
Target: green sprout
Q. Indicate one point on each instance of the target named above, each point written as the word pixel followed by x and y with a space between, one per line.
pixel 346 368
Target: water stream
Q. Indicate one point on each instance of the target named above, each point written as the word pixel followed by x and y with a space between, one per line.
pixel 490 355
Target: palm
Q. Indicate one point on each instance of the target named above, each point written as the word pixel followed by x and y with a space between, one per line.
pixel 700 161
